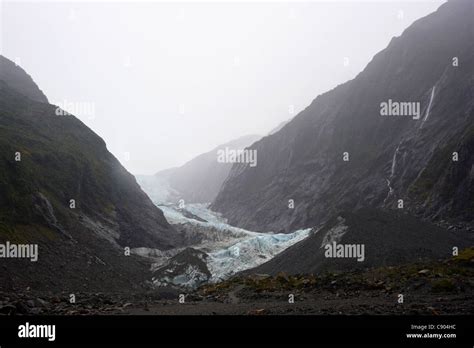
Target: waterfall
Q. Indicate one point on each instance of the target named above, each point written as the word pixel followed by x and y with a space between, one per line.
pixel 427 113
pixel 394 161
pixel 392 172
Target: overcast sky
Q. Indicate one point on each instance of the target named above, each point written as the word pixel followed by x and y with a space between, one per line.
pixel 162 82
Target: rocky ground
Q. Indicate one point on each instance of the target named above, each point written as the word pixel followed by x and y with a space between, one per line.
pixel 429 288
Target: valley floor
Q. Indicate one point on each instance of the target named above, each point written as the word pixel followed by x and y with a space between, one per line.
pixel 435 288
pixel 370 303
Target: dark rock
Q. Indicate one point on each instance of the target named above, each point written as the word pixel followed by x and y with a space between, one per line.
pixel 304 160
pixel 22 308
pixel 41 303
pixel 8 309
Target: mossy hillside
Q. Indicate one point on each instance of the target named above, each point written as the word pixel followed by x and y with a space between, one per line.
pixel 442 176
pixel 59 170
pixel 61 160
pixel 24 234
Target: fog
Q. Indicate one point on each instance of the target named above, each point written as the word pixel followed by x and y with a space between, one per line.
pixel 162 82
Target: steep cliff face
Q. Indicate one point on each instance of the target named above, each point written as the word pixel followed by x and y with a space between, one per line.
pixel 343 153
pixel 62 189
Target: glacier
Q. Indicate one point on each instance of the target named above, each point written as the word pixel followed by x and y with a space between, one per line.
pixel 229 249
pixel 250 253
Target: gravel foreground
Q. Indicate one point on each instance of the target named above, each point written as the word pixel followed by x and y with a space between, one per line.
pixel 432 288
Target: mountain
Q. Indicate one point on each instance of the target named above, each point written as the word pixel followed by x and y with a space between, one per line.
pixel 424 158
pixel 18 80
pixel 62 189
pixel 280 126
pixel 197 181
pixel 389 238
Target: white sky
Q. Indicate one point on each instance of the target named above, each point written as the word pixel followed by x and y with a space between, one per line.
pixel 170 80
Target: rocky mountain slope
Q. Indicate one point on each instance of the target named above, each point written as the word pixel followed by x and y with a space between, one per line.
pixel 341 153
pixel 196 181
pixel 388 238
pixel 18 80
pixel 62 189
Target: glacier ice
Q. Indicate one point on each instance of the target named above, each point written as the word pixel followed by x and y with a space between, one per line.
pixel 250 253
pixel 230 249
